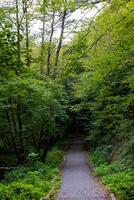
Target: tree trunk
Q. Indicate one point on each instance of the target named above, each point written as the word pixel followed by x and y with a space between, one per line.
pixel 34 141
pixel 50 44
pixel 46 148
pixel 60 40
pixel 42 44
pixel 13 135
pixel 44 154
pixel 27 37
pixel 18 33
pixel 17 135
pixel 20 135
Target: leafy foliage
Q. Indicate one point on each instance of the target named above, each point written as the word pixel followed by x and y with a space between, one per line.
pixel 33 103
pixel 99 64
pixel 115 176
pixel 105 87
pixel 33 182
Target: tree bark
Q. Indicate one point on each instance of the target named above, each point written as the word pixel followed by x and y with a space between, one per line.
pixel 42 44
pixel 60 40
pixel 27 37
pixel 18 32
pixel 44 154
pixel 16 125
pixel 46 144
pixel 20 135
pixel 50 44
pixel 13 135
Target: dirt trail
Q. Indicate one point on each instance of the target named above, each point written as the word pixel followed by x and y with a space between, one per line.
pixel 78 183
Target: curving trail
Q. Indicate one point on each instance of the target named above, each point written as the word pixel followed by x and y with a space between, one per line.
pixel 78 183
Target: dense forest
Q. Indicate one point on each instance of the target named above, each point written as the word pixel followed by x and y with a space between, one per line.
pixel 53 87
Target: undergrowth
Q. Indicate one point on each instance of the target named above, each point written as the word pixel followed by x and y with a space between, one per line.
pixel 117 177
pixel 34 181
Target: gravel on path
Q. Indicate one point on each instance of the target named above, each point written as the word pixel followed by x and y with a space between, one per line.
pixel 78 182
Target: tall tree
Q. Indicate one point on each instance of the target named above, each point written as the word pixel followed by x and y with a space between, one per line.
pixel 50 44
pixel 61 36
pixel 18 32
pixel 25 12
pixel 44 7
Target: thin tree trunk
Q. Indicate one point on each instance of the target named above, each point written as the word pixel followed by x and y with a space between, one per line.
pixel 34 141
pixel 18 33
pixel 46 147
pixel 18 135
pixel 42 44
pixel 13 135
pixel 20 131
pixel 44 155
pixel 27 38
pixel 50 44
pixel 25 13
pixel 45 151
pixel 60 40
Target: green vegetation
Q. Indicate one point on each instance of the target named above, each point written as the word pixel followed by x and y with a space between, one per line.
pixel 105 88
pixel 34 181
pixel 100 63
pixel 50 89
pixel 34 106
pixel 117 177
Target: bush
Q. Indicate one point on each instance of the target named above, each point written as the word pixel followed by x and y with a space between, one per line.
pixel 22 191
pixel 55 157
pixel 33 186
pixel 17 173
pixel 115 176
pixel 5 192
pixel 121 183
pixel 98 157
pixel 106 168
pixel 33 182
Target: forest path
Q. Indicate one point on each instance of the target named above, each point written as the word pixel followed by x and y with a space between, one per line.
pixel 78 182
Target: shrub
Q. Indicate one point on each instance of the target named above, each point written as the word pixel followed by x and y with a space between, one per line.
pixel 25 191
pixel 98 157
pixel 106 168
pixel 17 173
pixel 5 192
pixel 121 183
pixel 55 157
pixel 115 176
pixel 33 182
